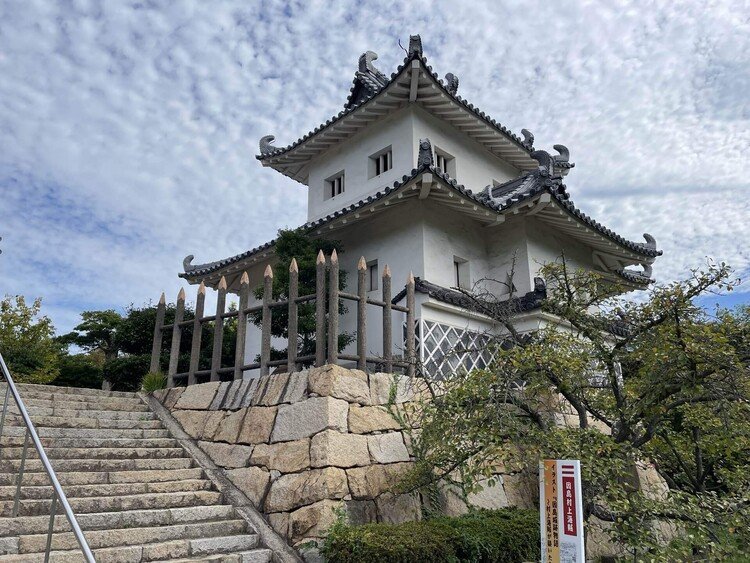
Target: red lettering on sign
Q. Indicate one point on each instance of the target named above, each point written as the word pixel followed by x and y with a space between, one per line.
pixel 568 483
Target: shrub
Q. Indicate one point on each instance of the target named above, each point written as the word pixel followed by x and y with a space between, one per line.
pixel 153 381
pixel 483 536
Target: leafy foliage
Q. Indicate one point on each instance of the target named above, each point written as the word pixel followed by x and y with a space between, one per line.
pixel 80 370
pixel 295 244
pixel 153 381
pixel 27 341
pixel 97 331
pixel 491 536
pixel 623 387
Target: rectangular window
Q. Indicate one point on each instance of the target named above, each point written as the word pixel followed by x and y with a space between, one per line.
pixel 380 162
pixel 372 275
pixel 445 162
pixel 335 185
pixel 461 273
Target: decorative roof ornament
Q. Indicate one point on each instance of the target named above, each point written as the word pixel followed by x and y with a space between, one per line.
pixel 425 157
pixel 186 263
pixel 545 162
pixel 451 83
pixel 528 137
pixel 650 241
pixel 564 155
pixel 415 45
pixel 265 145
pixel 648 270
pixel 365 62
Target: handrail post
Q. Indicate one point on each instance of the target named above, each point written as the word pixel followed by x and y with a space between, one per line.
pixel 239 348
pixel 19 479
pixel 195 345
pixel 221 302
pixel 265 337
pixel 5 409
pixel 361 314
pixel 410 328
pixel 174 351
pixel 293 324
pixel 320 309
pixel 387 321
pixel 333 309
pixel 158 334
pixel 53 509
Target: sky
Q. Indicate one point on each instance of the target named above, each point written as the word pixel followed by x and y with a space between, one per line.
pixel 128 129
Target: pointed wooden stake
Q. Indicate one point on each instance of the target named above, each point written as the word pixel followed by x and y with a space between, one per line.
pixel 265 329
pixel 387 321
pixel 334 257
pixel 162 299
pixel 321 258
pixel 158 334
pixel 181 294
pixel 239 348
pixel 293 323
pixel 174 351
pixel 410 327
pixel 245 279
pixel 269 272
pixel 202 289
pixel 320 309
pixel 293 266
pixel 362 264
pixel 222 283
pixel 362 314
pixel 221 301
pixel 195 345
pixel 333 309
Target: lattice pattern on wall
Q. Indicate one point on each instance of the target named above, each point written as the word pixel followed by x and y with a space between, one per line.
pixel 445 349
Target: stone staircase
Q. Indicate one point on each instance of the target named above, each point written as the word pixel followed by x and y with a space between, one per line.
pixel 137 494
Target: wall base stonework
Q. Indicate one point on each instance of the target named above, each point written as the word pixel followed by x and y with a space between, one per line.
pixel 305 446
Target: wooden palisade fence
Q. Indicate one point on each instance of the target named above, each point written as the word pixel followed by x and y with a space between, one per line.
pixel 326 325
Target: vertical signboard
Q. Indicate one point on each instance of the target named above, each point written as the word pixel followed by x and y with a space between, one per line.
pixel 561 511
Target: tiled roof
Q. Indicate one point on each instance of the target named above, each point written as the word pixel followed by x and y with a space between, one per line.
pixel 497 309
pixel 502 197
pixel 376 82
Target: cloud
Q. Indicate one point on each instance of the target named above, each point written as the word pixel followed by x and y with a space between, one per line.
pixel 128 129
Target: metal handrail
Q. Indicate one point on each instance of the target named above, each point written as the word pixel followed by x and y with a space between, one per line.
pixel 58 493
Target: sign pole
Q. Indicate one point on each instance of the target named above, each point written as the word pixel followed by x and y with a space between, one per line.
pixel 561 511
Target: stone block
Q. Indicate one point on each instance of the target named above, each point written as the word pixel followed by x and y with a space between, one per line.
pixel 312 521
pixel 373 480
pixel 221 393
pixel 260 390
pixel 253 481
pixel 274 389
pixel 286 457
pixel 395 509
pixel 257 425
pixel 230 426
pixel 299 489
pixel 521 489
pixel 239 396
pixel 404 388
pixel 211 424
pixel 296 390
pixel 192 422
pixel 363 420
pixel 491 496
pixel 250 393
pixel 280 523
pixel 361 512
pixel 331 447
pixel 172 397
pixel 387 448
pixel 308 417
pixel 334 381
pixel 227 455
pixel 198 397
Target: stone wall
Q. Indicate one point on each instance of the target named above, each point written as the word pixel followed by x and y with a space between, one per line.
pixel 305 444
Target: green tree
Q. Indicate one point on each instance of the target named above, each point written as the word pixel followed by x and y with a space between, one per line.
pixel 80 370
pixel 27 341
pixel 295 244
pixel 97 331
pixel 654 381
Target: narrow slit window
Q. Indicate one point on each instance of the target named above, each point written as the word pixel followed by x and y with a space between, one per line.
pixel 381 162
pixel 445 162
pixel 335 185
pixel 372 275
pixel 461 272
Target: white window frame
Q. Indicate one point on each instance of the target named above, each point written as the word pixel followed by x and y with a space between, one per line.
pixel 335 185
pixel 373 276
pixel 445 161
pixel 380 162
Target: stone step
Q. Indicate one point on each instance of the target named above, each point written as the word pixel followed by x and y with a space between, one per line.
pixel 108 489
pixel 36 411
pixel 94 453
pixel 98 539
pixel 109 520
pixel 70 390
pixel 260 555
pixel 117 503
pixel 101 477
pixel 62 402
pixel 199 549
pixel 48 432
pixel 17 442
pixel 83 465
pixel 81 423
